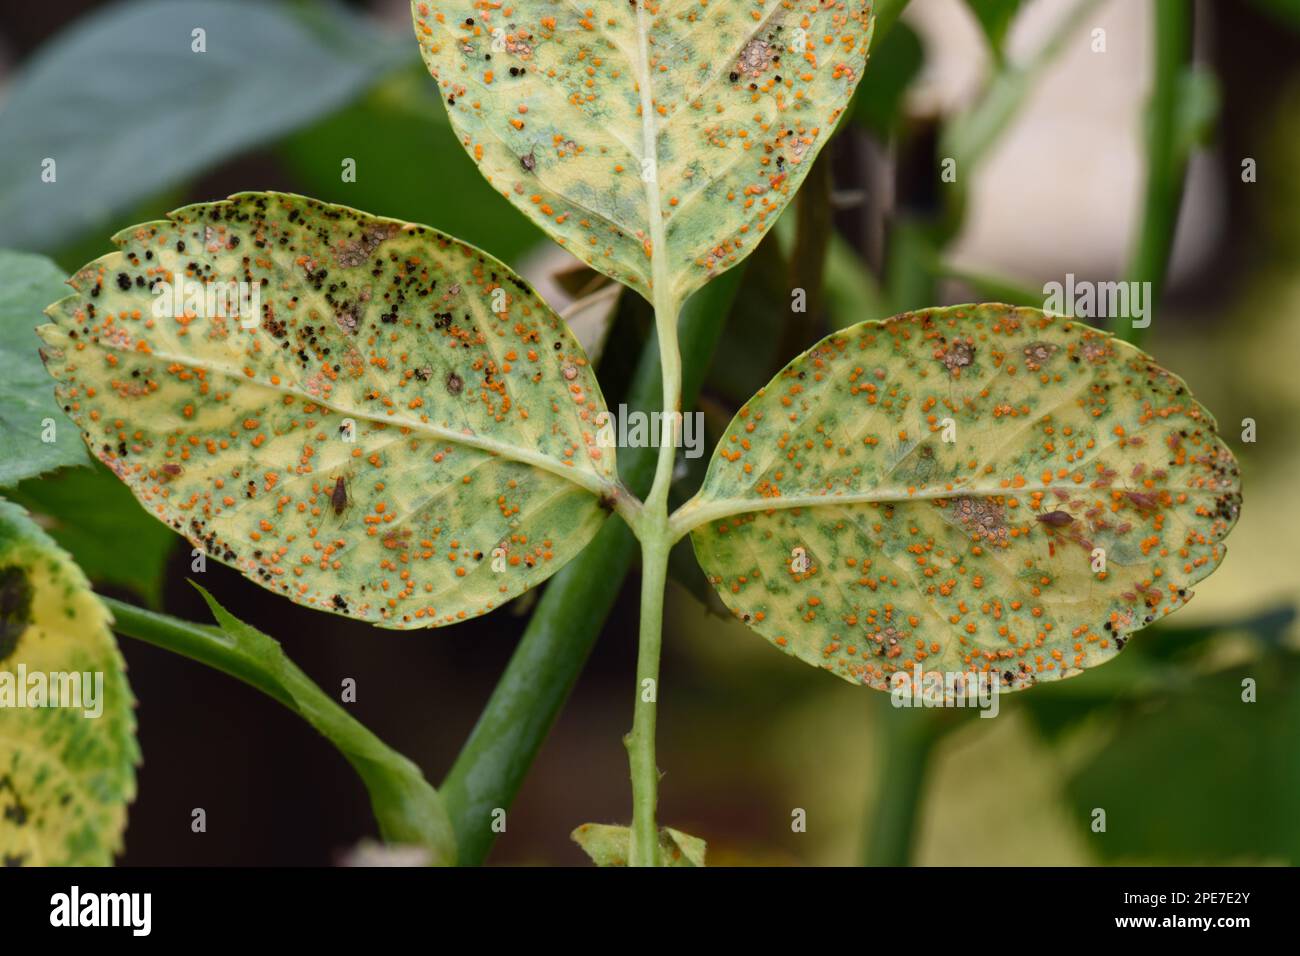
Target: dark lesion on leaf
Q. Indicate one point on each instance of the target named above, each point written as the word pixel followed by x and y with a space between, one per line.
pixel 984 519
pixel 1038 354
pixel 355 252
pixel 15 608
pixel 14 810
pixel 956 356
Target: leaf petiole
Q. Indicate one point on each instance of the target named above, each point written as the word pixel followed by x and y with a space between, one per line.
pixel 407 809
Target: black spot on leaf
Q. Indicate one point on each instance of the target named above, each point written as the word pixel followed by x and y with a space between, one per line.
pixel 15 608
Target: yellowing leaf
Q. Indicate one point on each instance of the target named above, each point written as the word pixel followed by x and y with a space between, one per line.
pixel 978 488
pixel 66 772
pixel 657 141
pixel 609 845
pixel 407 434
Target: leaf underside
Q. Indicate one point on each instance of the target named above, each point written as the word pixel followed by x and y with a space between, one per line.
pixel 610 845
pixel 473 429
pixel 837 522
pixel 65 778
pixel 655 141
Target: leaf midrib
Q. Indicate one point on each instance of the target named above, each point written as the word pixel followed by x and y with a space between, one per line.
pixel 587 480
pixel 702 510
pixel 659 278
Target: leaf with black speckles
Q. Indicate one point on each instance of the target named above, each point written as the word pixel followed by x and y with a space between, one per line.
pixel 657 141
pixel 65 778
pixel 933 491
pixel 406 434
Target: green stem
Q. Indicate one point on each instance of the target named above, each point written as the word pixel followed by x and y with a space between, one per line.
pixel 651 525
pixel 907 740
pixel 407 809
pixel 656 543
pixel 198 643
pixel 1166 157
pixel 640 742
pixel 492 765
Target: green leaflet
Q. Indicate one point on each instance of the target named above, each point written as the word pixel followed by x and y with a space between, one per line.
pixel 473 471
pixel 655 141
pixel 609 845
pixel 65 778
pixel 27 284
pixel 837 521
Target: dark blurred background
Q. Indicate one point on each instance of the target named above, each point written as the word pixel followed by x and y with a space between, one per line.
pixel 1187 773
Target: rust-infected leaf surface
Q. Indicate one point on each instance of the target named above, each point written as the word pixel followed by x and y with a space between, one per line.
pixel 67 772
pixel 657 141
pixel 837 522
pixel 474 473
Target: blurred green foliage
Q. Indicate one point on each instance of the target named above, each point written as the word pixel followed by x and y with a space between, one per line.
pixel 125 104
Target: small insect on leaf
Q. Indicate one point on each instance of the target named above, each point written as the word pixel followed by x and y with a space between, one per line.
pixel 1056 519
pixel 971 556
pixel 379 424
pixel 339 496
pixel 655 141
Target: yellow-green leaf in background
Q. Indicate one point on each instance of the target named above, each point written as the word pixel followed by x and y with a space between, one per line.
pixel 609 845
pixel 406 434
pixel 978 488
pixel 67 772
pixel 657 141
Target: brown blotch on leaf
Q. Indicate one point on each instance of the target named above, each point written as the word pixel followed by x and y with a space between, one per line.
pixel 356 252
pixel 1095 349
pixel 348 318
pixel 15 608
pixel 454 383
pixel 756 57
pixel 889 641
pixel 984 519
pixel 958 355
pixel 1038 354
